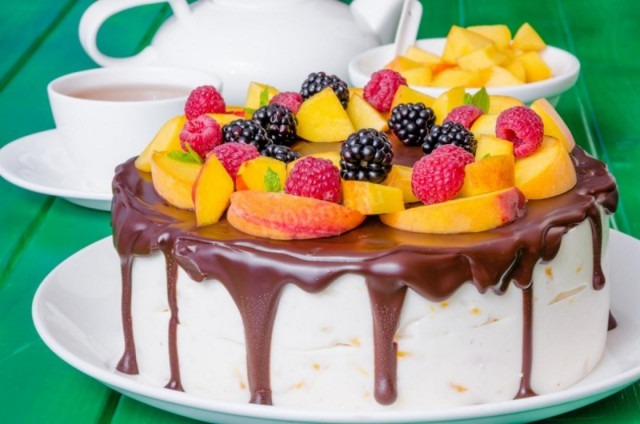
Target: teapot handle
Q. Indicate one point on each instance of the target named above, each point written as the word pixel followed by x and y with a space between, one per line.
pixel 98 12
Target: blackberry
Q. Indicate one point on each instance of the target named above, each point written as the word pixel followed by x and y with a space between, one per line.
pixel 450 133
pixel 282 153
pixel 279 123
pixel 316 81
pixel 366 156
pixel 246 131
pixel 411 123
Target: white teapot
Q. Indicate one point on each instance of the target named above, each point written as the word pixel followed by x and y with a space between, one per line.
pixel 278 42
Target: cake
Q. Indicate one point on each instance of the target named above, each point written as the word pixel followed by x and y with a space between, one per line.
pixel 375 317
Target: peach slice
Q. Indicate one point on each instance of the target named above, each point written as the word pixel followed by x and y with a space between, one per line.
pixel 485 124
pixel 517 69
pixel 282 216
pixel 418 76
pixel 224 118
pixel 421 56
pixel 400 177
pixel 166 139
pixel 526 38
pixel 405 94
pixel 534 66
pixel 211 191
pixel 363 115
pixel 371 199
pixel 253 94
pixel 443 104
pixel 554 125
pixel 547 172
pixel 497 76
pixel 461 41
pixel 463 215
pixel 485 57
pixel 333 156
pixel 492 173
pixel 173 179
pixel 322 118
pixel 458 77
pixel 252 174
pixel 489 145
pixel 356 90
pixel 401 64
pixel 499 34
pixel 498 103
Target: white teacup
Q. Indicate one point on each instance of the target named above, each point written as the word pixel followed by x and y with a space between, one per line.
pixel 107 115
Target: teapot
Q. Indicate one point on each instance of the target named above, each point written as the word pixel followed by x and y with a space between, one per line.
pixel 278 42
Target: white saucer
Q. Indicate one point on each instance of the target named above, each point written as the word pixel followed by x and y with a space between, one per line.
pixel 76 312
pixel 38 162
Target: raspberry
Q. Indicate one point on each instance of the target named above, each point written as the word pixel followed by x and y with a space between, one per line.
pixel 232 155
pixel 381 88
pixel 290 99
pixel 465 115
pixel 458 153
pixel 202 133
pixel 523 127
pixel 204 99
pixel 438 177
pixel 314 177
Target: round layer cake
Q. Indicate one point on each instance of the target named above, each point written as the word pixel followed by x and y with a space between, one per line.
pixel 374 318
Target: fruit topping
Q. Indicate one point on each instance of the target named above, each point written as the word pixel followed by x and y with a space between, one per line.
pixel 366 156
pixel 261 173
pixel 259 95
pixel 314 177
pixel 363 115
pixel 371 199
pixel 232 155
pixel 450 133
pixel 553 123
pixel 290 99
pixel 438 177
pixel 279 123
pixel 166 139
pixel 321 118
pixel 204 99
pixel 465 115
pixel 317 81
pixel 411 123
pixel 201 135
pixel 280 152
pixel 211 191
pixel 381 88
pixel 173 179
pixel 522 126
pixel 246 131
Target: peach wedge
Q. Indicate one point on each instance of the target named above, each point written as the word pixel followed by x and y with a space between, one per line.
pixel 211 192
pixel 554 125
pixel 282 216
pixel 464 215
pixel 173 179
pixel 166 139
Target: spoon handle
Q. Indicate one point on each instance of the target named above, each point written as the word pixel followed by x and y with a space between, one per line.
pixel 407 26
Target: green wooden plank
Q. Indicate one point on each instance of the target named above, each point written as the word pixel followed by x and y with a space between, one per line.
pixel 130 411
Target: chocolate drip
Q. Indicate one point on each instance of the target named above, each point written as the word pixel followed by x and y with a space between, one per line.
pixel 525 389
pixel 612 322
pixel 172 280
pixel 128 363
pixel 596 235
pixel 255 270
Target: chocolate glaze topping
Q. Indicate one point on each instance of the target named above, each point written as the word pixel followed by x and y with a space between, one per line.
pixel 255 270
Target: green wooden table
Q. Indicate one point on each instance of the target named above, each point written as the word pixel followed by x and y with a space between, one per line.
pixel 38 42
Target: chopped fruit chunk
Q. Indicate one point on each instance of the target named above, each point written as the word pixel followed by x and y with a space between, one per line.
pixel 173 179
pixel 499 103
pixel 316 178
pixel 401 64
pixel 371 199
pixel 211 191
pixel 322 118
pixel 420 55
pixel 400 177
pixel 489 145
pixel 486 57
pixel 485 124
pixel 255 91
pixel 333 156
pixel 444 103
pixel 499 34
pixel 527 38
pixel 382 87
pixel 418 76
pixel 523 127
pixel 223 118
pixel 201 135
pixel 232 155
pixel 204 99
pixel 363 115
pixel 461 215
pixel 405 94
pixel 535 68
pixel 457 77
pixel 461 41
pixel 517 70
pixel 285 217
pixel 547 172
pixel 554 125
pixel 497 76
pixel 166 139
pixel 438 177
pixel 261 173
pixel 492 173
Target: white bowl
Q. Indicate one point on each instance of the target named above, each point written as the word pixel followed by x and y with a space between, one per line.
pixel 564 68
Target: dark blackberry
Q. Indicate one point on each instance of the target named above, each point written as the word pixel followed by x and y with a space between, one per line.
pixel 282 153
pixel 279 123
pixel 246 131
pixel 411 123
pixel 450 133
pixel 366 156
pixel 316 81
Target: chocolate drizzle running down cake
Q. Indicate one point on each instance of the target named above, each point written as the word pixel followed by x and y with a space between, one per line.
pixel 255 271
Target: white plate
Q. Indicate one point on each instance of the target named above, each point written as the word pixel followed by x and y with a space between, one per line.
pixel 76 312
pixel 564 67
pixel 39 162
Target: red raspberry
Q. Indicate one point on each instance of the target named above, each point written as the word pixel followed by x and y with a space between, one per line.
pixel 523 127
pixel 204 99
pixel 232 155
pixel 438 177
pixel 290 99
pixel 381 88
pixel 316 178
pixel 458 153
pixel 202 133
pixel 465 115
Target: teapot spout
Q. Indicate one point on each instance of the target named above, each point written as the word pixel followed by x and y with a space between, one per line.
pixel 378 16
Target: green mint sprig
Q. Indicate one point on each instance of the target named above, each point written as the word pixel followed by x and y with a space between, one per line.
pixel 190 156
pixel 264 96
pixel 272 181
pixel 480 99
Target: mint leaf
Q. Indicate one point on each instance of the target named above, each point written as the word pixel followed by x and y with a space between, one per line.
pixel 272 180
pixel 481 100
pixel 183 156
pixel 486 156
pixel 468 99
pixel 264 96
pixel 249 111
